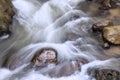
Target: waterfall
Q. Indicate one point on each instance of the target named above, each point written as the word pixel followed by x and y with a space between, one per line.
pixel 57 24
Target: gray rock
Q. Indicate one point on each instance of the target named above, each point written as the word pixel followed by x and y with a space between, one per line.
pixel 104 74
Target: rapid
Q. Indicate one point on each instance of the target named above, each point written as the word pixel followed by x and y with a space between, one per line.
pixel 57 24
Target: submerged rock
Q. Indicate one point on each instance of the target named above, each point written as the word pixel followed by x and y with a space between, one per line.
pixel 67 68
pixel 112 34
pixel 6 14
pixel 48 56
pixel 104 74
pixel 40 59
pixel 64 69
pixel 98 26
pixel 109 34
pixel 44 57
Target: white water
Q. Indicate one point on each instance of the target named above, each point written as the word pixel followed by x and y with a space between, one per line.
pixel 56 24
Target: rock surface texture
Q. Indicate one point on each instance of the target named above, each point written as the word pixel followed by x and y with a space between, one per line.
pixel 45 56
pixel 112 34
pixel 6 14
pixel 98 26
pixel 104 74
pixel 106 4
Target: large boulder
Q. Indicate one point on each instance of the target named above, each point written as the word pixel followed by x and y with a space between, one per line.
pixel 112 34
pixel 6 14
pixel 44 57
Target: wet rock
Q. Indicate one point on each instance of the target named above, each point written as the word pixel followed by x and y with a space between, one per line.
pixel 82 61
pixel 109 34
pixel 44 57
pixel 113 51
pixel 48 56
pixel 65 69
pixel 98 26
pixel 112 34
pixel 106 45
pixel 106 4
pixel 68 68
pixel 6 14
pixel 104 74
pixel 41 59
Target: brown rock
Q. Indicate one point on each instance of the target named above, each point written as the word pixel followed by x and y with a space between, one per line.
pixel 114 51
pixel 104 74
pixel 65 69
pixel 98 26
pixel 6 14
pixel 41 59
pixel 68 68
pixel 109 34
pixel 106 4
pixel 112 34
pixel 44 57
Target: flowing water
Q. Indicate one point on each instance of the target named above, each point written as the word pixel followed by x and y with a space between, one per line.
pixel 58 24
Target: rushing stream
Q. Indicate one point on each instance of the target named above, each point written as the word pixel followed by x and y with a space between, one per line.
pixel 57 24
